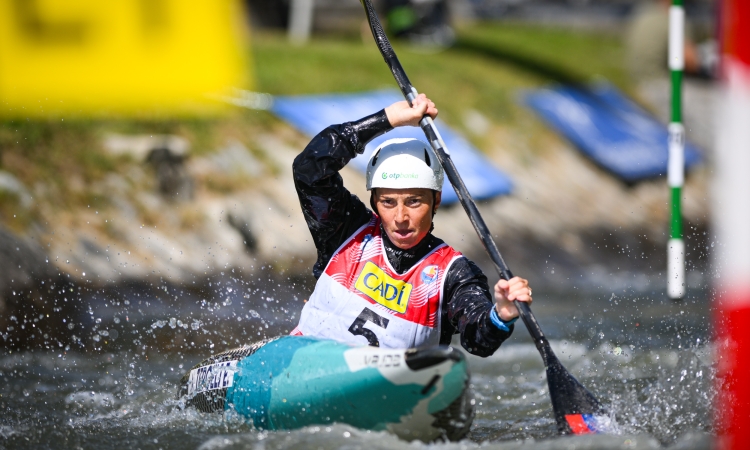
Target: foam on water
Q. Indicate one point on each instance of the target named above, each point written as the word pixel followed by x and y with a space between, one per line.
pixel 512 404
pixel 659 392
pixel 658 385
pixel 6 431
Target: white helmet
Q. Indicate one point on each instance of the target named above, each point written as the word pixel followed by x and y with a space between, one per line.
pixel 404 164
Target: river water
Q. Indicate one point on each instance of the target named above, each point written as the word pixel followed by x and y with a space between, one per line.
pixel 647 358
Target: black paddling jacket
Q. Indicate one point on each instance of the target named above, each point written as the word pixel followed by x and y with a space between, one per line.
pixel 333 214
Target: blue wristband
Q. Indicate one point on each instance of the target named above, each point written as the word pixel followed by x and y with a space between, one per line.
pixel 500 323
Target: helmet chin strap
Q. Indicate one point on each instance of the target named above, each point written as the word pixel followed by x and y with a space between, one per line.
pixel 434 210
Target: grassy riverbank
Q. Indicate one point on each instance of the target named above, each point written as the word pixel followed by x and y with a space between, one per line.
pixel 61 161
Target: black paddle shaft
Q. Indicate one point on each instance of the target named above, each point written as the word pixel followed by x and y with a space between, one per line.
pixel 568 395
pixel 433 136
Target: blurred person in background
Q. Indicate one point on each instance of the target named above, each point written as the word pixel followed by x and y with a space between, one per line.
pixel 647 47
pixel 423 22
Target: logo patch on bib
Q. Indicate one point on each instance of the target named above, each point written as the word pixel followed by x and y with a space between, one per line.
pixel 377 285
pixel 429 274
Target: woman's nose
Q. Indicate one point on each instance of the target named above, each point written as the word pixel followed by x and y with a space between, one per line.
pixel 401 213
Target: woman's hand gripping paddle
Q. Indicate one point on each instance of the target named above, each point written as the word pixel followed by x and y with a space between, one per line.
pixel 577 411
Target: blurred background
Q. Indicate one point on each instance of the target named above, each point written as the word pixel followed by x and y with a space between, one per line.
pixel 146 150
pixel 146 142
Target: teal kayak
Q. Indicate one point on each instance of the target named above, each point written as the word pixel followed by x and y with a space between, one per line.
pixel 294 381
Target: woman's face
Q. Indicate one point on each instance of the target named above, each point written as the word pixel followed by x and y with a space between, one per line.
pixel 406 214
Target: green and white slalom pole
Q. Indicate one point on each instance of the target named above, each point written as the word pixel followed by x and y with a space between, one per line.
pixel 676 165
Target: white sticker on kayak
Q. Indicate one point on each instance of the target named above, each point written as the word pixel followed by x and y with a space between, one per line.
pixel 391 365
pixel 377 359
pixel 211 377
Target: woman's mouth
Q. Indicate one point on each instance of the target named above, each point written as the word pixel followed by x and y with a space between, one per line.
pixel 403 233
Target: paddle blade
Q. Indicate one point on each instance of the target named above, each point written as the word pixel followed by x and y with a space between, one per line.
pixel 576 409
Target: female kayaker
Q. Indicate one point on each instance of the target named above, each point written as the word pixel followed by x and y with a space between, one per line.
pixel 383 278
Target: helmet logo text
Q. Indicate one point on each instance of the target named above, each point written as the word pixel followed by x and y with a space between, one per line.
pixel 396 176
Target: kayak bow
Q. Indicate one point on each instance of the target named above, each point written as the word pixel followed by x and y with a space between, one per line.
pixel 294 381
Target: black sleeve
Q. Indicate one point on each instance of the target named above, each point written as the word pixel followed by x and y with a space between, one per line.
pixel 332 213
pixel 466 310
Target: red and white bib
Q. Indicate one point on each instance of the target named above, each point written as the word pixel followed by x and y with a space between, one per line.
pixel 360 299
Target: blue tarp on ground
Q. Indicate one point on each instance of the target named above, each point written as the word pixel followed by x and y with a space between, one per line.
pixel 311 114
pixel 610 129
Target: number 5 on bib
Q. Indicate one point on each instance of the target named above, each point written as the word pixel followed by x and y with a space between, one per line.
pixel 358 326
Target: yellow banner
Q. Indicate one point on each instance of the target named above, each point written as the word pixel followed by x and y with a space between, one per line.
pixel 376 284
pixel 112 57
